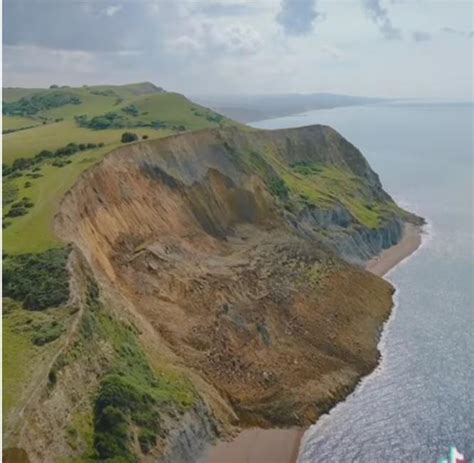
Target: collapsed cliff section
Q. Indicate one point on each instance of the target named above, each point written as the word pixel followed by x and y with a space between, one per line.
pixel 220 299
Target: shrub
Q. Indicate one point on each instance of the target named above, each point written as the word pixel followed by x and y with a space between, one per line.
pixel 16 212
pixel 145 137
pixel 147 440
pixel 111 434
pixel 278 188
pixel 131 110
pixel 10 193
pixel 58 163
pixel 128 137
pixel 38 280
pixel 47 334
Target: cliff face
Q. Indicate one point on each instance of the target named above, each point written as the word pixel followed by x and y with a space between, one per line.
pixel 226 255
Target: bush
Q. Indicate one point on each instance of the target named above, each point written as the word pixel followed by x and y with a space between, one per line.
pixel 145 137
pixel 117 400
pixel 128 137
pixel 111 434
pixel 278 188
pixel 47 334
pixel 16 212
pixel 131 110
pixel 147 440
pixel 38 280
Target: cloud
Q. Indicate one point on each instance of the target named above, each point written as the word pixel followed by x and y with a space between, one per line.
pixel 227 8
pixel 217 40
pixel 297 16
pixel 379 16
pixel 333 52
pixel 458 32
pixel 111 10
pixel 86 25
pixel 420 36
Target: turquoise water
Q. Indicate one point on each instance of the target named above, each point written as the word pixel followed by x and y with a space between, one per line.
pixel 420 401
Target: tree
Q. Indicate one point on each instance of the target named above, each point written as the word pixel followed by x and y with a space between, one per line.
pixel 128 137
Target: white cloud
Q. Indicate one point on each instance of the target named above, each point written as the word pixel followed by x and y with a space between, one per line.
pixel 217 39
pixel 333 52
pixel 111 10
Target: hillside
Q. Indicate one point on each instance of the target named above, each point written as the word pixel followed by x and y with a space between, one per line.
pixel 50 137
pixel 212 287
pixel 55 134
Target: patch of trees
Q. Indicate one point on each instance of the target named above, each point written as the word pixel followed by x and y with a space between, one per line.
pixel 108 120
pixel 7 131
pixel 20 208
pixel 131 110
pixel 105 92
pixel 128 137
pixel 208 115
pixel 22 164
pixel 38 280
pixel 115 120
pixel 29 106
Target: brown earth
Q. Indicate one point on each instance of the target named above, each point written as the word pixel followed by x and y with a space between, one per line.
pixel 268 323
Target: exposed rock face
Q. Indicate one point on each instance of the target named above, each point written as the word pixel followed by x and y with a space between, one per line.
pixel 236 276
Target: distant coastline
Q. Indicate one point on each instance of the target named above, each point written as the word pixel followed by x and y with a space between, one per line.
pixel 282 445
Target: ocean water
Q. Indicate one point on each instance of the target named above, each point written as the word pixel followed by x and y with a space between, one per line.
pixel 420 400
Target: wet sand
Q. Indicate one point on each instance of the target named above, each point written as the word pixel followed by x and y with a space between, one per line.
pixel 282 445
pixel 391 257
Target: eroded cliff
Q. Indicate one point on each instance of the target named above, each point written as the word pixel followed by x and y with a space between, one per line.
pixel 217 290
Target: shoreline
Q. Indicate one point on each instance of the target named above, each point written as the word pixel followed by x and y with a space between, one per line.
pixel 257 445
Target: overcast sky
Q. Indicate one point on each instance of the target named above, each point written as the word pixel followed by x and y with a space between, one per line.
pixel 393 48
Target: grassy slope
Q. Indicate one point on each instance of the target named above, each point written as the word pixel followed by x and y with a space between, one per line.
pixel 33 231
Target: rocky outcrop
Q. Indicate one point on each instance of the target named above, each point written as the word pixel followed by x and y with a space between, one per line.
pixel 354 243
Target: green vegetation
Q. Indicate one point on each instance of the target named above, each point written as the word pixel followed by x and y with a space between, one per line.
pixel 33 232
pixel 47 333
pixel 28 106
pixel 132 395
pixel 110 120
pixel 57 145
pixel 128 137
pixel 38 281
pixel 24 352
pixel 278 188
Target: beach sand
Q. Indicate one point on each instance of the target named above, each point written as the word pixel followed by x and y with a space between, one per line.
pixel 282 445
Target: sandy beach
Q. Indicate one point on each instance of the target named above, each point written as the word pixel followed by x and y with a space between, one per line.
pixel 282 445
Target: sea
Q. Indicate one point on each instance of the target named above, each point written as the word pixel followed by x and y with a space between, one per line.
pixel 419 403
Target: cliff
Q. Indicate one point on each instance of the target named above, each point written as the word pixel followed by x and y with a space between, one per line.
pixel 217 283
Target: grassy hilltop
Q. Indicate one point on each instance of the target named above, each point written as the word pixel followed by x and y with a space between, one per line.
pixel 74 128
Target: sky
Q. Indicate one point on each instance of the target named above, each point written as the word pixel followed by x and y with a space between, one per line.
pixel 385 48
